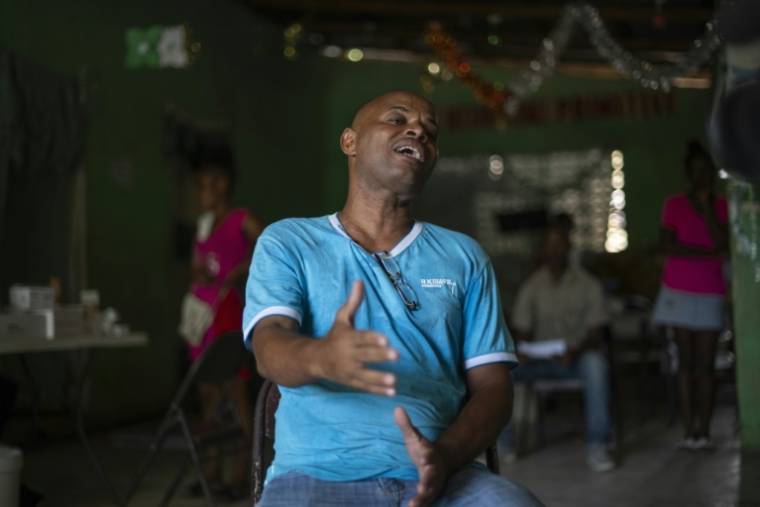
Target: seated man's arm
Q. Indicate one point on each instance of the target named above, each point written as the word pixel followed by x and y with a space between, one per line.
pixel 595 321
pixel 486 412
pixel 283 355
pixel 487 352
pixel 290 359
pixel 483 416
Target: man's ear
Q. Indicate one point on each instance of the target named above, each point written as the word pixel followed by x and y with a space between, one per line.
pixel 348 142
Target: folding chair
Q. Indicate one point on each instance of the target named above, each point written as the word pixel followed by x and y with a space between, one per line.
pixel 220 362
pixel 263 439
pixel 543 390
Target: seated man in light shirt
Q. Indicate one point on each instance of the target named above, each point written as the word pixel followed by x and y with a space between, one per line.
pixel 385 335
pixel 562 303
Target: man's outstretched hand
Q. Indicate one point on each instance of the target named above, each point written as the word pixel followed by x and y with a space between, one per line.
pixel 431 464
pixel 345 351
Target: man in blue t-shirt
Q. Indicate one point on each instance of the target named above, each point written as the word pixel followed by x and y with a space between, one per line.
pixel 385 336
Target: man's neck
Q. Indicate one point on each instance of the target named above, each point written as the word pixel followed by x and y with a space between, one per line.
pixel 377 223
pixel 558 270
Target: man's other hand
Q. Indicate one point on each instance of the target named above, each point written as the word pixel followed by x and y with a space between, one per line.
pixel 345 351
pixel 431 464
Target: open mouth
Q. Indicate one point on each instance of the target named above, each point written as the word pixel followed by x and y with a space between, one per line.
pixel 410 151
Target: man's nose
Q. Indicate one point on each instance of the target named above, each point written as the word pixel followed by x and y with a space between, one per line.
pixel 417 131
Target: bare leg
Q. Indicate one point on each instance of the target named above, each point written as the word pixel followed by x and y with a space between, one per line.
pixel 684 340
pixel 705 346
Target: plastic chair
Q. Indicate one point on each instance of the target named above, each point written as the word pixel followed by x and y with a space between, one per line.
pixel 220 362
pixel 263 439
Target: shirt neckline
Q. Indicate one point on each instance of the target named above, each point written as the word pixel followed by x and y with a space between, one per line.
pixel 402 245
pixel 568 276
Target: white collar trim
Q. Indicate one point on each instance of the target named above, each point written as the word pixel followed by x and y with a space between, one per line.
pixel 407 240
pixel 335 222
pixel 400 247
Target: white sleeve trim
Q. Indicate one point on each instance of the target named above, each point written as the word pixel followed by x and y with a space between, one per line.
pixel 284 311
pixel 494 357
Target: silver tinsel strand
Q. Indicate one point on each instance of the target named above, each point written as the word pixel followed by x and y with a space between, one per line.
pixel 654 77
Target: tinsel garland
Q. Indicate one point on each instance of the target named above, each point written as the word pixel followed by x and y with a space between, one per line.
pixel 577 14
pixel 446 48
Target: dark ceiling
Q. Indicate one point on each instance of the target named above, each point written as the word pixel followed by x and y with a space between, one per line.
pixel 659 30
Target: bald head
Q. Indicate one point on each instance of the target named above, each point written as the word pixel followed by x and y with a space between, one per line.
pixel 368 109
pixel 391 144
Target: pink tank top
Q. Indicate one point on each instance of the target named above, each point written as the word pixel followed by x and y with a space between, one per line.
pixel 225 248
pixel 692 274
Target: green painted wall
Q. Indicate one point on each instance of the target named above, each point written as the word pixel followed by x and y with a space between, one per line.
pixel 239 79
pixel 745 233
pixel 285 118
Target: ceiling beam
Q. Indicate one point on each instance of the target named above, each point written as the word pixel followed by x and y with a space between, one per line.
pixel 410 30
pixel 700 79
pixel 429 9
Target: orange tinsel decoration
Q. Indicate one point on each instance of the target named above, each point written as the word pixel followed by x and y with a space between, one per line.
pixel 446 49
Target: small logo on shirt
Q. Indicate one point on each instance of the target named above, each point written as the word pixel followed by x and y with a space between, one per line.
pixel 439 283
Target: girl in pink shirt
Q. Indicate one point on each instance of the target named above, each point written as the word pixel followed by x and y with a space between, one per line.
pixel 695 240
pixel 221 256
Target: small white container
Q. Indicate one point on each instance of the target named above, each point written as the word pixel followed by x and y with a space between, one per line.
pixel 11 462
pixel 26 297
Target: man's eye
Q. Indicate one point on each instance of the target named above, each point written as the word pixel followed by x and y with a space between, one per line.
pixel 396 120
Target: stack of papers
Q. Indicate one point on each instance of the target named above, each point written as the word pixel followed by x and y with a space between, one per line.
pixel 544 349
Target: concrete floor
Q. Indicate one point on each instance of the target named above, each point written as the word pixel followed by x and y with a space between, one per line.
pixel 653 473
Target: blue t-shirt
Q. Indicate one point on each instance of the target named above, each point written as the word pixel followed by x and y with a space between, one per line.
pixel 304 269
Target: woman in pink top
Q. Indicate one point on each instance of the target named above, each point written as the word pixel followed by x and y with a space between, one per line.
pixel 695 240
pixel 221 256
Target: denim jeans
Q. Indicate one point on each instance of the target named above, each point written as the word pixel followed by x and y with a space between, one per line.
pixel 592 368
pixel 469 487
